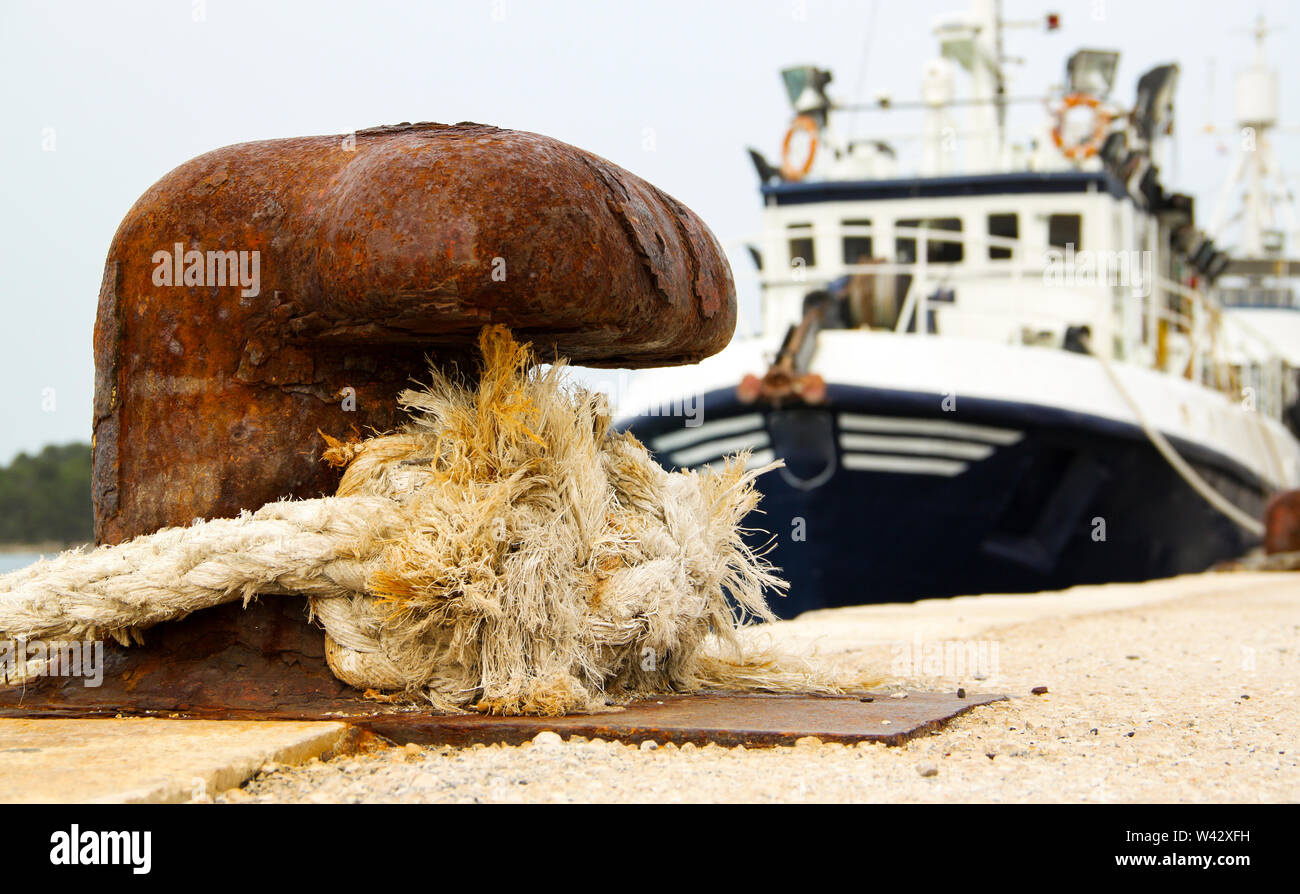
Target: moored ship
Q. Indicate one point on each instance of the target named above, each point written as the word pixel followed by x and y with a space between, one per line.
pixel 1006 370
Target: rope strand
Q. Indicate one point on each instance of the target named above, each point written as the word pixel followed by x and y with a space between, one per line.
pixel 505 552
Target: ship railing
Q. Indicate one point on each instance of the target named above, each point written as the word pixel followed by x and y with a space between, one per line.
pixel 1162 324
pixel 1257 296
pixel 1024 262
pixel 1225 351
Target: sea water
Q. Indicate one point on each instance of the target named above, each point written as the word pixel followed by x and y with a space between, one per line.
pixel 14 561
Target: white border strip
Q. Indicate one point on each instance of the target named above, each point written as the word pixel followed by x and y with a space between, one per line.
pixel 859 422
pixel 756 459
pixel 688 436
pixel 915 465
pixel 713 449
pixel 923 446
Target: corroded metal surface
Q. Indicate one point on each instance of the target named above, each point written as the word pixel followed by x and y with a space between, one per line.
pixel 724 718
pixel 354 257
pixel 266 662
pixel 221 662
pixel 1282 523
pixel 788 378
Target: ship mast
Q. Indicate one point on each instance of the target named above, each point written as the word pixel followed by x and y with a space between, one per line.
pixel 974 41
pixel 1266 213
pixel 988 81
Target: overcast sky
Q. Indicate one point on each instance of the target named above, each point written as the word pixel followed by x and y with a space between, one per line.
pixel 133 89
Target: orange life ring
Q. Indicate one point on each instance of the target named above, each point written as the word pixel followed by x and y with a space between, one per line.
pixel 1089 147
pixel 789 170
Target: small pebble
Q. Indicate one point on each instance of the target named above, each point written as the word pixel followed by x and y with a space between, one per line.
pixel 928 770
pixel 649 745
pixel 899 695
pixel 866 698
pixel 547 739
pixel 961 693
pixel 807 742
pixel 411 749
pixel 1038 690
pixel 1132 657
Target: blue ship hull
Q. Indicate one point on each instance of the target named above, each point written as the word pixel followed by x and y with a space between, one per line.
pixel 885 498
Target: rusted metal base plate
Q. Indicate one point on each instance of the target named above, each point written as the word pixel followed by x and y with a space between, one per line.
pixel 725 718
pixel 221 663
pixel 266 662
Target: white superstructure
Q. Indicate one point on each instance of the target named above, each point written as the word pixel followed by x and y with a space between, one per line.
pixel 1019 247
pixel 973 359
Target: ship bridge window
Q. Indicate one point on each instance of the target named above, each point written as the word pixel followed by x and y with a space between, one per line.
pixel 937 252
pixel 801 245
pixel 1005 226
pixel 857 247
pixel 1064 230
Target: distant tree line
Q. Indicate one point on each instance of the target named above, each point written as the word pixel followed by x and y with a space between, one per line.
pixel 46 497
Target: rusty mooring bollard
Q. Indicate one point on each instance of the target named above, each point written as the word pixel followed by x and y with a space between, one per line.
pixel 267 290
pixel 1282 523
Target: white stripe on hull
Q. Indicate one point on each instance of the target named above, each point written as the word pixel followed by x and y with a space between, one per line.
pixel 757 459
pixel 922 446
pixel 716 449
pixel 861 422
pixel 710 430
pixel 885 452
pixel 913 465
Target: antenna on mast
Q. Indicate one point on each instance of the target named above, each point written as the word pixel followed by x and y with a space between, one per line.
pixel 1267 214
pixel 973 40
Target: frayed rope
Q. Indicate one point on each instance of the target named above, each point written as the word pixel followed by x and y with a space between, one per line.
pixel 506 552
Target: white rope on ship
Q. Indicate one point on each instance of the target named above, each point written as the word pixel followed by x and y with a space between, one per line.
pixel 1180 465
pixel 505 552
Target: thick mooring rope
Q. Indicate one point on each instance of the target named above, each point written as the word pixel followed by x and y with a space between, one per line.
pixel 1248 523
pixel 506 552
